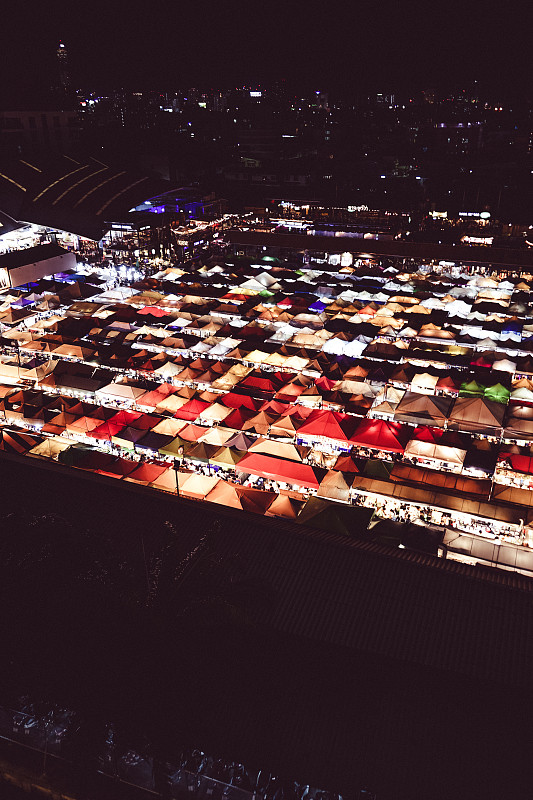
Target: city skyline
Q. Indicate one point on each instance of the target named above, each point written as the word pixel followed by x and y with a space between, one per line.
pixel 385 47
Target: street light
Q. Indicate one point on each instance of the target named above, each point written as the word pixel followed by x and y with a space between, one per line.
pixel 177 464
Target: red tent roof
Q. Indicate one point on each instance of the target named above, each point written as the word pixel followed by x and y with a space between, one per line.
pixel 345 463
pixel 325 423
pixel 263 384
pixel 106 431
pixel 238 417
pixel 191 433
pixel 192 409
pixel 119 468
pixel 521 463
pixel 279 470
pixel 156 395
pixel 125 417
pixel 381 435
pixel 154 311
pixel 325 383
pixel 426 434
pixel 146 473
pixel 235 400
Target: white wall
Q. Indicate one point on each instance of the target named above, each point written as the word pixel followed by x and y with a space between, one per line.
pixel 40 269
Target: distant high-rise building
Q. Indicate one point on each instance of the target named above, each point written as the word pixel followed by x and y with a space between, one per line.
pixel 64 74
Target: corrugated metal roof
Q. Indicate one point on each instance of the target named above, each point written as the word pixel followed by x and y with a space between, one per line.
pixel 369 665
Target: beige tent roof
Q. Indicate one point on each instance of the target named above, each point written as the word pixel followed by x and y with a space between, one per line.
pixel 285 427
pixel 334 487
pixel 171 403
pixel 50 447
pixel 227 457
pixel 169 426
pixel 166 481
pixel 169 369
pixel 476 414
pixel 224 494
pixel 216 412
pixel 279 449
pixel 424 381
pixel 120 391
pixel 355 387
pixel 422 408
pixel 519 429
pixel 197 486
pixel 435 452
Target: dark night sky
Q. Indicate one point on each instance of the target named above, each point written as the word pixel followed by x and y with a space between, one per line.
pixel 358 45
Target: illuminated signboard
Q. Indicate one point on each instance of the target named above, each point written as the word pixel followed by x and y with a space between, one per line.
pixel 256 94
pixel 475 214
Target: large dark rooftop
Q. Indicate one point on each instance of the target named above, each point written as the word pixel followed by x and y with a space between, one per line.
pixel 76 196
pixel 30 255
